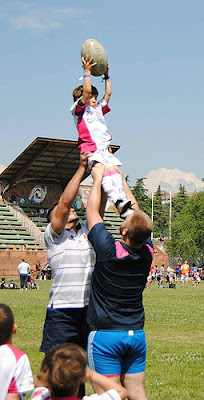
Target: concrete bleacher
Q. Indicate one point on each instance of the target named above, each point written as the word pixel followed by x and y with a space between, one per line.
pixel 33 212
pixel 12 233
pixel 112 222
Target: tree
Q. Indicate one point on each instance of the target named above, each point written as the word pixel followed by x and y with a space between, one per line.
pixel 159 213
pixel 187 241
pixel 140 193
pixel 179 201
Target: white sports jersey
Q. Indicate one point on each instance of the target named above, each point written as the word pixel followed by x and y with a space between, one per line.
pixel 15 371
pixel 91 125
pixel 23 268
pixel 42 393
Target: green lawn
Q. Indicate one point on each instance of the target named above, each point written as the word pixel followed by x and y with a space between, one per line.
pixel 174 331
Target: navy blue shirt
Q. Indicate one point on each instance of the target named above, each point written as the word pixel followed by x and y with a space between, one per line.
pixel 118 281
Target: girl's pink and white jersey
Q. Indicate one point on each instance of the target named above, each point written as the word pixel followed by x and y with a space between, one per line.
pixel 91 126
pixel 42 393
pixel 15 371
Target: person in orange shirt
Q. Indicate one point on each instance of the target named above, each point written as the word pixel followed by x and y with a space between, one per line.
pixel 185 268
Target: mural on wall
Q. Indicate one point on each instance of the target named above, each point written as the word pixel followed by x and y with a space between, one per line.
pixel 45 195
pixel 23 193
pixel 37 194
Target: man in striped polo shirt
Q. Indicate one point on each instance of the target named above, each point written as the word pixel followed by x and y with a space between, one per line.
pixel 71 258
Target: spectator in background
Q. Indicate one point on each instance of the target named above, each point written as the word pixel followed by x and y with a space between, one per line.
pixel 185 268
pixel 49 273
pixel 197 279
pixel 4 284
pixel 23 269
pixel 38 270
pixel 177 270
pixel 12 285
pixel 15 372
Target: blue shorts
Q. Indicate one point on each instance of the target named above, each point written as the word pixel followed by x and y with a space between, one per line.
pixel 112 352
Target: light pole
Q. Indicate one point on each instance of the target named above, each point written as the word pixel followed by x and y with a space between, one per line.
pixel 152 212
pixel 170 211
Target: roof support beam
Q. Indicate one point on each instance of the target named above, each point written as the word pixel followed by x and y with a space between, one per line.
pixel 28 164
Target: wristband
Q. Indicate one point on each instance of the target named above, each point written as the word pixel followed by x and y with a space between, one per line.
pixel 105 78
pixel 86 76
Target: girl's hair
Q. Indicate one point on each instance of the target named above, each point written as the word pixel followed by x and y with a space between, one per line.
pixel 65 368
pixel 78 92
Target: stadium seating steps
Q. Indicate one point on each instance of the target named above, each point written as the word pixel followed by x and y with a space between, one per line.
pixel 12 233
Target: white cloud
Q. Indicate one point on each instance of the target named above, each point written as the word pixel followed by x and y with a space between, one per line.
pixel 169 179
pixel 37 17
pixel 34 24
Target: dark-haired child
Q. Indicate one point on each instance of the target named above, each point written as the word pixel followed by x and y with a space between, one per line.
pixel 15 371
pixel 89 118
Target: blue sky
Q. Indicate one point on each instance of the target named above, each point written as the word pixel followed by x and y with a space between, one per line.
pixel 156 56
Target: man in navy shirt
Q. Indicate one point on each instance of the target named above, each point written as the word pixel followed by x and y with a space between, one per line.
pixel 116 344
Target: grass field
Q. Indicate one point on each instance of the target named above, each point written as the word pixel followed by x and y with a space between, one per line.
pixel 174 332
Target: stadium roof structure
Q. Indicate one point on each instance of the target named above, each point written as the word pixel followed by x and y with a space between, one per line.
pixel 45 161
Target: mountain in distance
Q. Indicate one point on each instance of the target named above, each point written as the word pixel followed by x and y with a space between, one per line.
pixel 170 179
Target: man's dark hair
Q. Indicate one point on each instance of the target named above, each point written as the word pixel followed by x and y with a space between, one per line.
pixel 49 211
pixel 6 323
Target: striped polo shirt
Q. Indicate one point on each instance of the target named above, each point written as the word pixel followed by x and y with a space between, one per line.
pixel 71 258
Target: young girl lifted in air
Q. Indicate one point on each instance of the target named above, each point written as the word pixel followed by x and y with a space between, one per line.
pixel 94 138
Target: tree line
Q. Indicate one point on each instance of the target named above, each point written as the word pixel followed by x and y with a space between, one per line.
pixel 184 231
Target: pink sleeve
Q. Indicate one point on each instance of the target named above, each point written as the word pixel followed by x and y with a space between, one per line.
pixel 120 251
pixel 79 110
pixel 106 109
pixel 22 381
pixel 150 249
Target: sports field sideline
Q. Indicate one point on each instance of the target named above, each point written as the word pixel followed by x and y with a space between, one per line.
pixel 174 331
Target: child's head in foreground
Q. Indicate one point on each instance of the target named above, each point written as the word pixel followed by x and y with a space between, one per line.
pixel 78 92
pixel 6 323
pixel 64 368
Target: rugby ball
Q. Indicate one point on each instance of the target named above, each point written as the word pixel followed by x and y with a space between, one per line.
pixel 93 48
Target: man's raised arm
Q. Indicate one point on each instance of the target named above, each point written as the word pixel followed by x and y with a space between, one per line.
pixel 62 209
pixel 93 208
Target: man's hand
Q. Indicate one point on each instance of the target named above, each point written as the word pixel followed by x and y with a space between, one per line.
pixel 88 373
pixel 84 158
pixel 97 171
pixel 88 63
